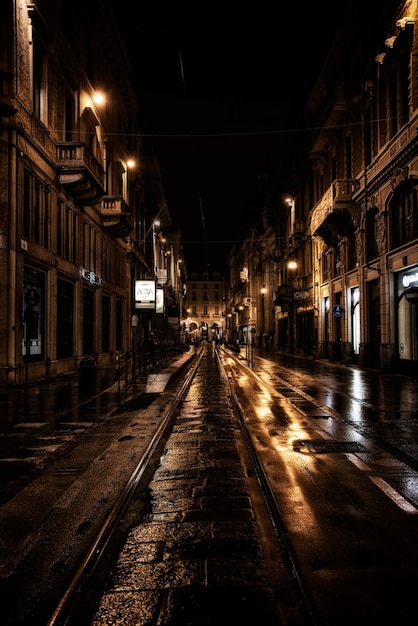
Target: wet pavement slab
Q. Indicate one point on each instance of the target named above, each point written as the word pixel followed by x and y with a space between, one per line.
pixel 196 559
pixel 43 420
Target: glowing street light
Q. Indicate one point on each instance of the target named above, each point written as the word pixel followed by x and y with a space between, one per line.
pixel 99 97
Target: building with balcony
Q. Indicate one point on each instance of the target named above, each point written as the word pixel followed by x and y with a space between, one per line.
pixel 344 265
pixel 363 221
pixel 77 198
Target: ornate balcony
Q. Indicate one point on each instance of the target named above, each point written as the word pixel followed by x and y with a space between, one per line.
pixel 336 209
pixel 79 172
pixel 284 295
pixel 115 216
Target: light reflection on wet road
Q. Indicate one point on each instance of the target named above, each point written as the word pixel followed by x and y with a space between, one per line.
pixel 384 395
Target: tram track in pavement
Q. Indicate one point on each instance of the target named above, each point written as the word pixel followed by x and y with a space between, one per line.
pixel 306 609
pixel 296 605
pixel 67 606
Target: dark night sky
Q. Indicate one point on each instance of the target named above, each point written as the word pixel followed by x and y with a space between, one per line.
pixel 218 97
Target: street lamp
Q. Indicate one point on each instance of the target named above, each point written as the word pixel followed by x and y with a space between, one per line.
pixel 262 325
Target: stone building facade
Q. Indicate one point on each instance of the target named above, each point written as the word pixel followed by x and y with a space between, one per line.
pixel 339 253
pixel 204 307
pixel 75 207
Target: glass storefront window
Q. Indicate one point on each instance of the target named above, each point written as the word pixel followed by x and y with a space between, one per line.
pixel 355 319
pixel 33 315
pixel 407 316
pixel 65 305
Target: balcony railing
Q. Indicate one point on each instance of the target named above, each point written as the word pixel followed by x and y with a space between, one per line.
pixel 80 172
pixel 115 215
pixel 299 227
pixel 337 198
pixel 343 190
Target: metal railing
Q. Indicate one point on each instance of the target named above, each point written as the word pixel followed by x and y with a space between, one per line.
pixel 132 363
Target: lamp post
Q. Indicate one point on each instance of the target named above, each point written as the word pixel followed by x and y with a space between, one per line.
pixel 292 267
pixel 262 326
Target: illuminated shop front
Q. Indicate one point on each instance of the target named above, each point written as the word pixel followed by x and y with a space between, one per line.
pixel 407 315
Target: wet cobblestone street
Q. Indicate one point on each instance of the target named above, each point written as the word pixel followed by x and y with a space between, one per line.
pixel 197 558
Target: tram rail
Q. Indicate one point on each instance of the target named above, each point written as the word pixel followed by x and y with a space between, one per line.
pixel 67 610
pixel 67 605
pixel 303 609
pixel 306 607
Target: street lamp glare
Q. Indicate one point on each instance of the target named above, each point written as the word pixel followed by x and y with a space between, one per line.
pixel 98 97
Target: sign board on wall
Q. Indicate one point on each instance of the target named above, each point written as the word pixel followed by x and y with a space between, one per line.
pixel 159 307
pixel 145 295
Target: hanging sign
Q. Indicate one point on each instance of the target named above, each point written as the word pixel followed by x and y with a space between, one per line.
pixel 145 295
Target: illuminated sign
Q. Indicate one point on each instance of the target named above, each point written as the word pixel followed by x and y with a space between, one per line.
pixel 145 295
pixel 162 275
pixel 91 277
pixel 409 279
pixel 159 304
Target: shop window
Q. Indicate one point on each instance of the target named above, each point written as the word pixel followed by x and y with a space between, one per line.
pixel 33 315
pixel 65 320
pixel 407 324
pixel 118 325
pixel 355 319
pixel 88 321
pixel 105 323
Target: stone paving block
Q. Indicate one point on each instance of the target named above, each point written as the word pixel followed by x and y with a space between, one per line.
pixel 164 574
pixel 209 515
pixel 129 607
pixel 142 552
pixel 248 573
pixel 198 552
pixel 238 549
pixel 169 532
pixel 220 607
